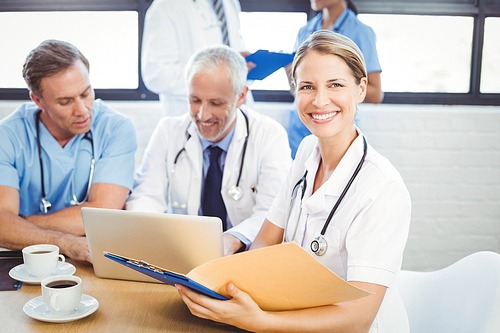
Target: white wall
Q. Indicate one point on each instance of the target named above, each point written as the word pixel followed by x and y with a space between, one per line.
pixel 449 157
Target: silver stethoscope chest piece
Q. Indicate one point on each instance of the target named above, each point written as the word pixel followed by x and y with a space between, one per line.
pixel 319 245
pixel 235 192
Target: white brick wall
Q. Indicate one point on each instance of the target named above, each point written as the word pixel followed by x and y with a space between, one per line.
pixel 449 157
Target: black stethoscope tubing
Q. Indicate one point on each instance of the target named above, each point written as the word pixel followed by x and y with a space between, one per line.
pixel 358 168
pixel 319 245
pixel 188 136
pixel 40 152
pixel 45 204
pixel 244 150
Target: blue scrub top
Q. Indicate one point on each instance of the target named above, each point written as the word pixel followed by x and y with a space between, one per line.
pixel 349 25
pixel 114 140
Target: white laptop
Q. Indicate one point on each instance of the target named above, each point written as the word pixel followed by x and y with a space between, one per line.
pixel 174 242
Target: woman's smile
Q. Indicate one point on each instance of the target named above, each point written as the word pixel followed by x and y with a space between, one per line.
pixel 323 116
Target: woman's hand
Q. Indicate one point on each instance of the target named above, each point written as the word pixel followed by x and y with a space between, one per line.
pixel 241 310
pixel 250 65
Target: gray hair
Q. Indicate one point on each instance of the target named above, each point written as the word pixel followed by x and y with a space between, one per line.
pixel 209 59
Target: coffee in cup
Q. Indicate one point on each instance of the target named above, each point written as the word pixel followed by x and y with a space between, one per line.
pixel 62 293
pixel 62 284
pixel 42 260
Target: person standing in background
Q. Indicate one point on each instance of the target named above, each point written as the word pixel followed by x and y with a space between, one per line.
pixel 339 16
pixel 173 31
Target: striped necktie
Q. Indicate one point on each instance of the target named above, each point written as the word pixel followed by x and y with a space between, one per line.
pixel 221 17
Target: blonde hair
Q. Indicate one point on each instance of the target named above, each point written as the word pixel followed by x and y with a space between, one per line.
pixel 329 42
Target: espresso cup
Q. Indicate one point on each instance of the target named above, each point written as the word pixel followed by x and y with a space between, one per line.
pixel 42 260
pixel 62 293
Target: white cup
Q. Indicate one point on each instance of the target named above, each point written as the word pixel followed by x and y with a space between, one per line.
pixel 62 293
pixel 42 260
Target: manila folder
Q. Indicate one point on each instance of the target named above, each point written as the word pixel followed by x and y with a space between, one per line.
pixel 278 277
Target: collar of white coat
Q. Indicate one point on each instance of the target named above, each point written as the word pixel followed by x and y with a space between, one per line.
pixel 191 126
pixel 334 186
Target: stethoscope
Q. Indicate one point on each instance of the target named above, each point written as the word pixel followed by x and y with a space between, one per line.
pixel 235 191
pixel 319 244
pixel 45 204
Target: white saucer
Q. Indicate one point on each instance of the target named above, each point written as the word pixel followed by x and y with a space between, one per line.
pixel 37 309
pixel 20 273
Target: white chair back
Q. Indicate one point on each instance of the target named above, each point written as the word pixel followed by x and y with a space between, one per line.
pixel 463 297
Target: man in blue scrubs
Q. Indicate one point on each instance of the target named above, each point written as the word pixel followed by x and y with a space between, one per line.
pixel 60 152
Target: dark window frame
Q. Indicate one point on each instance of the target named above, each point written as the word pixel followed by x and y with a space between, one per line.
pixel 140 6
pixel 478 9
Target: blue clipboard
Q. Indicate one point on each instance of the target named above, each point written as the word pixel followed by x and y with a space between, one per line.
pixel 163 275
pixel 267 63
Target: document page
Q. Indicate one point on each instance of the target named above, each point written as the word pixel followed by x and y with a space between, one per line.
pixel 279 277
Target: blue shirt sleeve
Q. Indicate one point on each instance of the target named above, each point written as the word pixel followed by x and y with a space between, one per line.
pixel 116 144
pixel 8 173
pixel 365 39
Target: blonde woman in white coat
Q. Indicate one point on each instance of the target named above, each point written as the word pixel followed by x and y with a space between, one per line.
pixel 367 233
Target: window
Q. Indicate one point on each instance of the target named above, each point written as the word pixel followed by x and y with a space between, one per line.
pixel 467 17
pixel 491 66
pixel 109 40
pixel 275 32
pixel 459 67
pixel 422 53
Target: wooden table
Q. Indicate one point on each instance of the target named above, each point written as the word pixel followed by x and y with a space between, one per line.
pixel 124 306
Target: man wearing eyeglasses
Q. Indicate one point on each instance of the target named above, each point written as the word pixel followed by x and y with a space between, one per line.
pixel 62 151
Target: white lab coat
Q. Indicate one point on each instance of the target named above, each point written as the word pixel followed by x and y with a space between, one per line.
pixel 173 31
pixel 265 168
pixel 368 232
